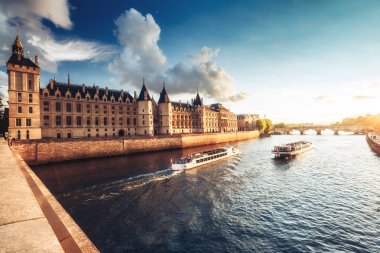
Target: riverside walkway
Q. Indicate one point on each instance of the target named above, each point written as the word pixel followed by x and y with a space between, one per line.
pixel 23 225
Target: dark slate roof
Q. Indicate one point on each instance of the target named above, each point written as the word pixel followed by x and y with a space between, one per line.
pixel 183 105
pixel 197 100
pixel 23 62
pixel 141 96
pixel 74 88
pixel 164 98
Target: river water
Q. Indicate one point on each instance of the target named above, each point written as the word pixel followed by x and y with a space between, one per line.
pixel 325 200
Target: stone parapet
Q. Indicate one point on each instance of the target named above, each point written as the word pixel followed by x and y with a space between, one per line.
pixel 56 150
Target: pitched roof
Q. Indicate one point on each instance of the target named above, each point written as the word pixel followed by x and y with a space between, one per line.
pixel 164 98
pixel 74 88
pixel 142 94
pixel 14 59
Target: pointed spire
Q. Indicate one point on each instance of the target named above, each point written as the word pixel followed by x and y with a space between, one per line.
pixel 198 100
pixel 17 47
pixel 68 78
pixel 144 95
pixel 164 98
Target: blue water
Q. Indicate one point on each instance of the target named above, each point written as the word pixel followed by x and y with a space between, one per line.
pixel 325 200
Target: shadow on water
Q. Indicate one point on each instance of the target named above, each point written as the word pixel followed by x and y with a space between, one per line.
pixel 327 199
pixel 284 163
pixel 67 176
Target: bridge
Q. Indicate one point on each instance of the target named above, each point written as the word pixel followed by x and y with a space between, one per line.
pixel 319 128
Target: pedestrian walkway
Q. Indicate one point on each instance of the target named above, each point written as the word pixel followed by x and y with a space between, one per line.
pixel 23 225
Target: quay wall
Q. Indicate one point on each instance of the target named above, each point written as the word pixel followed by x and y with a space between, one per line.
pixel 44 151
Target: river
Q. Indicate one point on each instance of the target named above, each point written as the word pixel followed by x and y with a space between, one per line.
pixel 325 200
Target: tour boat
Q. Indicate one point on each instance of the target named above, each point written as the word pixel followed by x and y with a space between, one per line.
pixel 373 140
pixel 292 149
pixel 198 159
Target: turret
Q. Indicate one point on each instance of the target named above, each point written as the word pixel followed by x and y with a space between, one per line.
pixel 24 94
pixel 145 124
pixel 165 113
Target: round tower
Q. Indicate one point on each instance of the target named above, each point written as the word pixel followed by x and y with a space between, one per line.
pixel 165 113
pixel 145 125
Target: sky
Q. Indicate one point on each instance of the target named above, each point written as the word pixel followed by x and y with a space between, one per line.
pixel 293 61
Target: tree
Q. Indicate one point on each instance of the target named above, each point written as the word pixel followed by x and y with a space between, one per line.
pixel 3 118
pixel 280 125
pixel 261 125
pixel 269 125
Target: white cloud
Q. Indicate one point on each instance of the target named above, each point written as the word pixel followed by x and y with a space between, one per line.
pixel 142 57
pixel 38 39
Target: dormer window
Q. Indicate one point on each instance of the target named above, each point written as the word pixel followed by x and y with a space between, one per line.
pixel 78 97
pixel 68 96
pixel 112 100
pixel 87 98
pixel 46 94
pixel 104 99
pixel 57 95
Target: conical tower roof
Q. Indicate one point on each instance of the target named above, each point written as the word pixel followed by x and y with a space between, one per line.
pixel 164 97
pixel 144 94
pixel 197 100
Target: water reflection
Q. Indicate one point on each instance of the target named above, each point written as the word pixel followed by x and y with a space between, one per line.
pixel 324 200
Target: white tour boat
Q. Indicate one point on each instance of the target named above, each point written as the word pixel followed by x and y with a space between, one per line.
pixel 198 159
pixel 292 149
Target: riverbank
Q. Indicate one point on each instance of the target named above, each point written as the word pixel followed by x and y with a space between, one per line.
pixel 31 219
pixel 373 141
pixel 44 151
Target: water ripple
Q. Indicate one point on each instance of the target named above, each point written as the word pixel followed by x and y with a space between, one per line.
pixel 325 200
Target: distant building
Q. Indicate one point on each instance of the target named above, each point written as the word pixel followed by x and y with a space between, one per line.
pixel 66 110
pixel 247 122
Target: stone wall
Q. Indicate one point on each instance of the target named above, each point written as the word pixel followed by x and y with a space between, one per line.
pixel 55 150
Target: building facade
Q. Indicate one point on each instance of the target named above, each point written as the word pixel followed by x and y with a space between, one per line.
pixel 247 122
pixel 66 110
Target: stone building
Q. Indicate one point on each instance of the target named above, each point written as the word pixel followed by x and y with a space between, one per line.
pixel 247 122
pixel 66 110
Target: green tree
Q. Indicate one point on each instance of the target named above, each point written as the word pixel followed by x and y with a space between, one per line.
pixel 269 125
pixel 280 125
pixel 3 118
pixel 261 125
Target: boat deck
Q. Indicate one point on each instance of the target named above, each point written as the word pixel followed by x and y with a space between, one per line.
pixel 374 138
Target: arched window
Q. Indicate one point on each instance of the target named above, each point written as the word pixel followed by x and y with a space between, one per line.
pixel 27 134
pixel 18 134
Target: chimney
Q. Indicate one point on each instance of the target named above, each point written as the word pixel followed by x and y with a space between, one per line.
pixel 135 95
pixel 180 103
pixel 97 89
pixel 36 60
pixel 121 93
pixel 106 91
pixel 83 88
pixel 51 83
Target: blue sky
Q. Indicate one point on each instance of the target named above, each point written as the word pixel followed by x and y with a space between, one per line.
pixel 293 61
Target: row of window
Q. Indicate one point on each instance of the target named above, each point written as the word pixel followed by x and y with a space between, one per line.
pixel 58 121
pixel 28 122
pixel 88 108
pixel 19 97
pixel 19 134
pixel 58 95
pixel 19 109
pixel 211 158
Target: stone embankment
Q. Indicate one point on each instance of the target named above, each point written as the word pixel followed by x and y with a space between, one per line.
pixel 31 219
pixel 56 150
